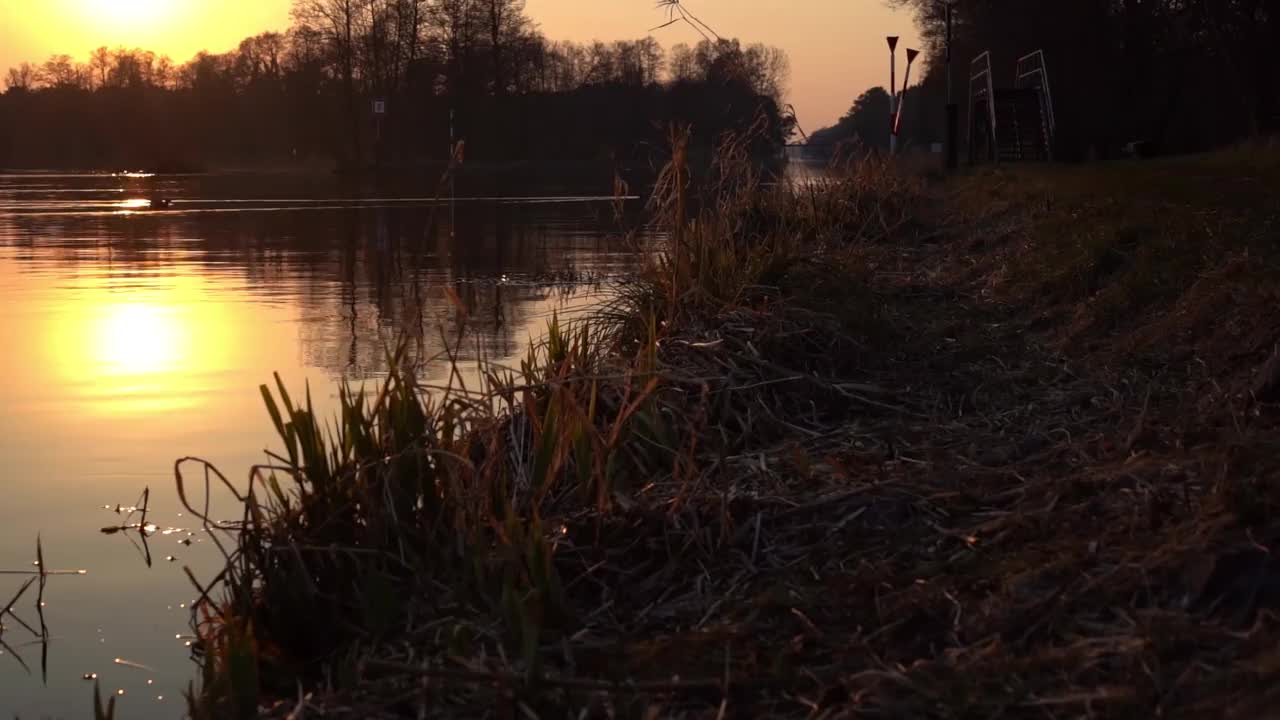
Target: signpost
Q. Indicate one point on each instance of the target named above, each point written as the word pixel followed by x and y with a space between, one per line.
pixel 906 82
pixel 893 92
pixel 379 111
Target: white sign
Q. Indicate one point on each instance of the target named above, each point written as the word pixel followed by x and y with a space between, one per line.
pixel 379 107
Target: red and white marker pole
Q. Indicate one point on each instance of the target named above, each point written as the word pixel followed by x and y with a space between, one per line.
pixel 906 82
pixel 893 92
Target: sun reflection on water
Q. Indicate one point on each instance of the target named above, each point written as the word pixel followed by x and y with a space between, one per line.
pixel 135 338
pixel 134 204
pixel 136 346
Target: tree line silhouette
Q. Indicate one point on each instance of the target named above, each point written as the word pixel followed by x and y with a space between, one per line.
pixel 474 70
pixel 1170 75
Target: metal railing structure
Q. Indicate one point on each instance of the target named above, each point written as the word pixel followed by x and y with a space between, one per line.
pixel 1032 73
pixel 1015 123
pixel 982 99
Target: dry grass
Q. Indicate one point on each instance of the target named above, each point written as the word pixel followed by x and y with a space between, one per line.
pixel 822 461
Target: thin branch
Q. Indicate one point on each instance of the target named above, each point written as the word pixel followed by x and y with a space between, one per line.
pixel 676 12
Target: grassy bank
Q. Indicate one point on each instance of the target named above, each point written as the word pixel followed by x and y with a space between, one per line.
pixel 870 447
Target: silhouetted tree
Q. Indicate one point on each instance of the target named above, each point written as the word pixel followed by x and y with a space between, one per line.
pixel 22 78
pixel 336 21
pixel 60 71
pixel 100 65
pixel 478 64
pixel 866 123
pixel 505 23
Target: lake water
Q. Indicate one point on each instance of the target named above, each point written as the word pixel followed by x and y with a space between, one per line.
pixel 130 337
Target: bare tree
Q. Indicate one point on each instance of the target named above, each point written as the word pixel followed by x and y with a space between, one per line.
pixel 410 17
pixel 683 66
pixel 768 70
pixel 504 22
pixel 164 73
pixel 60 71
pixel 22 78
pixel 336 21
pixel 390 41
pixel 259 57
pixel 100 65
pixel 302 93
pixel 454 28
pixel 131 68
pixel 762 68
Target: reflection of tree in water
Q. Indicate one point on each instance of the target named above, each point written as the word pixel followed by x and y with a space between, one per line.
pixel 498 279
pixel 361 278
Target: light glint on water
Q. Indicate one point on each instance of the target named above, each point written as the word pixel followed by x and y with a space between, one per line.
pixel 131 337
pixel 137 339
pixel 139 349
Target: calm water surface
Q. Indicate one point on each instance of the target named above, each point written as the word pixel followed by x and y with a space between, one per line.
pixel 130 337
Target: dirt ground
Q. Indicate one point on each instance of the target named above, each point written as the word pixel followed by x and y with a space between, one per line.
pixel 1051 492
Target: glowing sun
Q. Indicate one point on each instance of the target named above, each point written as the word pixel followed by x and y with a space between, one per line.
pixel 131 13
pixel 138 339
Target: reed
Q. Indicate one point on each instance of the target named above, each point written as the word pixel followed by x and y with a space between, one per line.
pixel 482 534
pixel 854 447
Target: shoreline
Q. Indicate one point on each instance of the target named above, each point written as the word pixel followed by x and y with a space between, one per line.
pixel 875 447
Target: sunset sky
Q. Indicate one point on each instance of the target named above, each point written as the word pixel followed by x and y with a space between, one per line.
pixel 837 47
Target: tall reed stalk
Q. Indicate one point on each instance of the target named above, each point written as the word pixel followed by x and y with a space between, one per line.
pixel 439 512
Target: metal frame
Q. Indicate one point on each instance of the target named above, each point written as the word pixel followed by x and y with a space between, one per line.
pixel 979 69
pixel 1031 69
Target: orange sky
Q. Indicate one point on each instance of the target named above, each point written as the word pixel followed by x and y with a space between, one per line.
pixel 836 47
